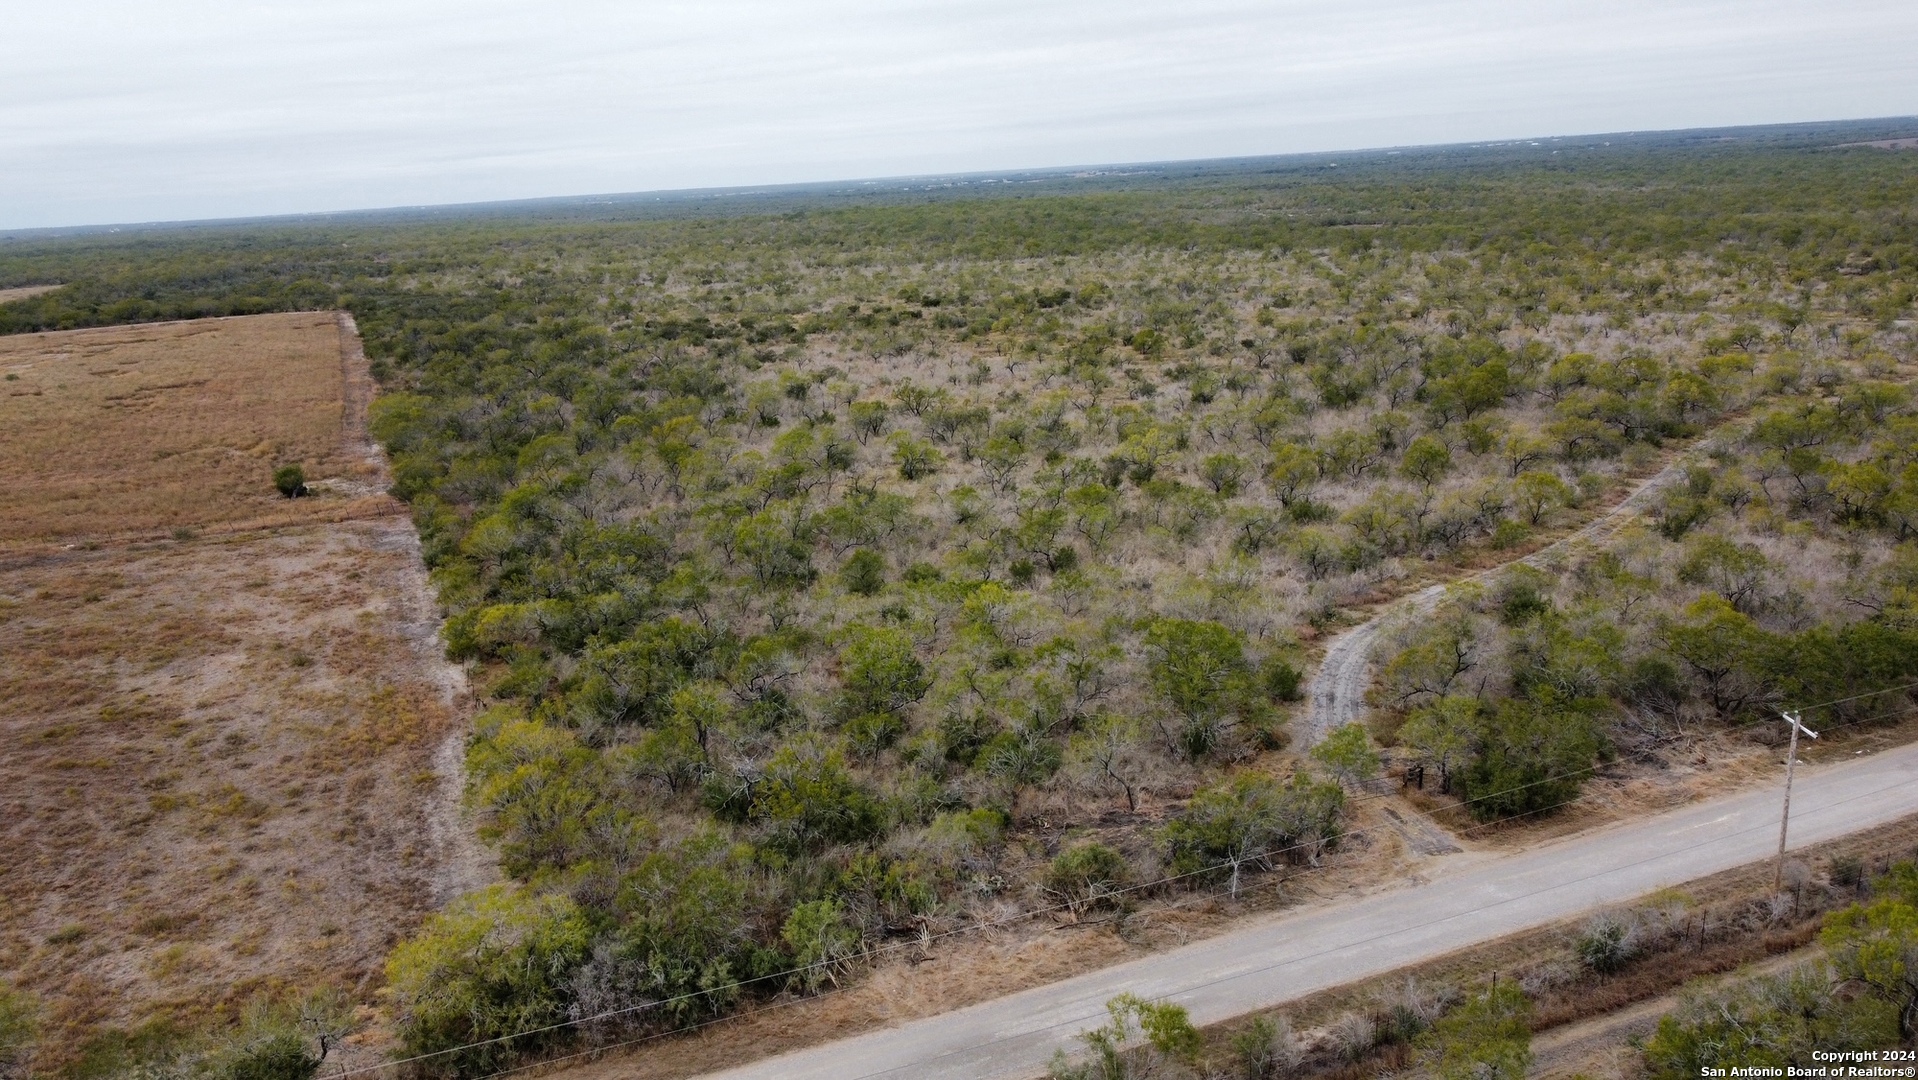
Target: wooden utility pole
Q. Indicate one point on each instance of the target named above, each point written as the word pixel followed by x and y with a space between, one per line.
pixel 1784 820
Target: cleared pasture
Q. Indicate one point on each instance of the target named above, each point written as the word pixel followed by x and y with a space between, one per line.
pixel 224 772
pixel 24 292
pixel 137 431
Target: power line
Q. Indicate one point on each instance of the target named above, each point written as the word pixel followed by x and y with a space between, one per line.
pixel 1396 931
pixel 788 1003
pixel 1212 868
pixel 1214 982
pixel 1858 697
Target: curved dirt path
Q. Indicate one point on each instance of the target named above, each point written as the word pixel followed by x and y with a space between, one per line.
pixel 1587 1047
pixel 1336 695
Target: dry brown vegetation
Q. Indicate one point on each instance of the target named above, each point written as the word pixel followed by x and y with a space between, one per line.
pixel 220 778
pixel 24 292
pixel 136 431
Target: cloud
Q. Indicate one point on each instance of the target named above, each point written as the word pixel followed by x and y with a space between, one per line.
pixel 115 111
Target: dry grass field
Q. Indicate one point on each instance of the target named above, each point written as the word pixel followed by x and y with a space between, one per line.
pixel 224 770
pixel 136 431
pixel 24 292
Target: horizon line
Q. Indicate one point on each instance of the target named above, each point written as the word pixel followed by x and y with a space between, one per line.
pixel 903 183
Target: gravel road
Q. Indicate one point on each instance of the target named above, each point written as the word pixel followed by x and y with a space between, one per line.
pixel 1465 901
pixel 1336 695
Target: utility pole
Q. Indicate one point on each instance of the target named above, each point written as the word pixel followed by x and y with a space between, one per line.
pixel 1784 820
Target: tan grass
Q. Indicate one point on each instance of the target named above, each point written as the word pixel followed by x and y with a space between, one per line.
pixel 220 768
pixel 134 431
pixel 209 784
pixel 24 292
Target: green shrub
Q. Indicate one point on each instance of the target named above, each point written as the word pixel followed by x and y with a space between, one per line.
pixel 1532 756
pixel 1266 1049
pixel 1283 682
pixel 811 800
pixel 1847 871
pixel 1087 876
pixel 1487 1038
pixel 880 673
pixel 871 733
pixel 19 1029
pixel 1773 1021
pixel 496 963
pixel 1607 944
pixel 290 480
pixel 1139 1040
pixel 821 941
pixel 1347 752
pixel 269 1045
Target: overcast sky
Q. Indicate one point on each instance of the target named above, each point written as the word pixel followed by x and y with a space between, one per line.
pixel 138 111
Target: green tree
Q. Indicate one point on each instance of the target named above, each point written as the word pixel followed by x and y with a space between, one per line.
pixel 1531 756
pixel 632 681
pixel 538 786
pixel 1875 948
pixel 1088 875
pixel 1442 733
pixel 809 796
pixel 1737 572
pixel 1000 459
pixel 1347 752
pixel 915 458
pixel 1200 669
pixel 1439 651
pixel 1717 642
pixel 1293 472
pixel 1522 448
pixel 1537 493
pixel 880 673
pixel 1252 820
pixel 868 418
pixel 1426 460
pixel 687 918
pixel 864 573
pixel 1223 473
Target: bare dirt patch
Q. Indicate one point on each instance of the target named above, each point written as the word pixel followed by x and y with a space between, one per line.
pixel 25 292
pixel 226 769
pixel 1887 144
pixel 136 431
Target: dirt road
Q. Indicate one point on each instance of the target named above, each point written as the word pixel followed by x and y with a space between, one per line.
pixel 1601 1045
pixel 1465 901
pixel 1336 694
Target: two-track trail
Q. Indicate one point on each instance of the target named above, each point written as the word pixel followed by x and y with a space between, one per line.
pixel 1336 695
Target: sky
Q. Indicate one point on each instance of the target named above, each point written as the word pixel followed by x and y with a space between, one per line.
pixel 132 111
